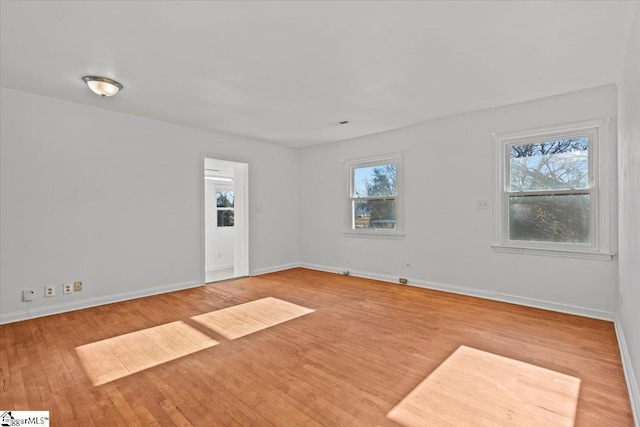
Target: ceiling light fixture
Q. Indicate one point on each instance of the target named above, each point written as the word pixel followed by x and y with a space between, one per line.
pixel 219 178
pixel 102 85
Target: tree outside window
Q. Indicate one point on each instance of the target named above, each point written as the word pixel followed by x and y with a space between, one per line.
pixel 549 194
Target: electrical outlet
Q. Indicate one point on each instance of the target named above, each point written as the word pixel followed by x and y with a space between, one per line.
pixel 28 295
pixel 403 280
pixel 77 286
pixel 49 291
pixel 67 288
pixel 482 204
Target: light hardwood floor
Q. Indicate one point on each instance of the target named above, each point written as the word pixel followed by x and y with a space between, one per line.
pixel 364 348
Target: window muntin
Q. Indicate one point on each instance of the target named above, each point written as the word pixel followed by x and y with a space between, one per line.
pixel 549 199
pixel 225 208
pixel 373 193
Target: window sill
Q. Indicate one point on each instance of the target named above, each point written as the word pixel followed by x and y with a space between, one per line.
pixel 601 256
pixel 374 235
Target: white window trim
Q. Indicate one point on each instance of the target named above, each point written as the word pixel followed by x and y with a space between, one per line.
pixel 350 165
pixel 602 189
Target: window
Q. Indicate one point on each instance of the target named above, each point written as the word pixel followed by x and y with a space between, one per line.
pixel 550 190
pixel 224 208
pixel 374 196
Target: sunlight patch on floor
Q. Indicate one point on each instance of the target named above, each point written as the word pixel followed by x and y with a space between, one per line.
pixel 244 319
pixel 113 358
pixel 473 388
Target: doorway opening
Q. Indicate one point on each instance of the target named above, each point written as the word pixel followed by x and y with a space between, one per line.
pixel 225 195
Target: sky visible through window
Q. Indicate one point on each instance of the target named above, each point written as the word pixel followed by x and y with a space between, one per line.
pixel 224 198
pixel 367 181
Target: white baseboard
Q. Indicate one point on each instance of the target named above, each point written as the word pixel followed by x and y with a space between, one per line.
pixel 273 269
pixel 629 374
pixel 356 273
pixel 553 306
pixel 48 310
pixel 93 302
pixel 475 292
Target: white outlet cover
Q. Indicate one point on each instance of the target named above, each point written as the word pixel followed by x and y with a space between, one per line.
pixel 482 204
pixel 28 295
pixel 67 289
pixel 49 291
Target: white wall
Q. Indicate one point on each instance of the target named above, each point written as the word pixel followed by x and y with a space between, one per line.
pixel 114 200
pixel 448 166
pixel 629 199
pixel 219 240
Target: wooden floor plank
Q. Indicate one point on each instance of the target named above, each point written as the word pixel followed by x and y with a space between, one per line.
pixel 366 346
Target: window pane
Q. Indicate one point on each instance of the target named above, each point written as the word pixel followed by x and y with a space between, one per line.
pixel 562 218
pixel 225 218
pixel 375 181
pixel 552 165
pixel 378 214
pixel 224 198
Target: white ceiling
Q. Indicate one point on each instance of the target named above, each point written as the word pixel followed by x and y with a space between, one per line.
pixel 287 72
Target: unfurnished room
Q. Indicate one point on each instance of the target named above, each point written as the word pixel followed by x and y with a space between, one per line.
pixel 320 213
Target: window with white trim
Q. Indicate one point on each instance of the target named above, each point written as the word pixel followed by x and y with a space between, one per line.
pixel 551 186
pixel 374 199
pixel 225 208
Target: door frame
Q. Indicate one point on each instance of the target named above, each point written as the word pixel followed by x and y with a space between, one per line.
pixel 245 221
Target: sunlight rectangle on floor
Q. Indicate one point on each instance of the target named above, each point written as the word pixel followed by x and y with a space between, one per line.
pixel 244 319
pixel 113 358
pixel 473 387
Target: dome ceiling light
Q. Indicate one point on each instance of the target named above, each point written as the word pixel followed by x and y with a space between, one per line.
pixel 102 86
